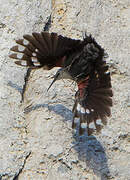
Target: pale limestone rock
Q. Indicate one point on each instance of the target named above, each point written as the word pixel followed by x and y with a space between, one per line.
pixel 28 140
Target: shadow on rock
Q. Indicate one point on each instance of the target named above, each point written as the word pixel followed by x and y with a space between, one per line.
pixel 15 86
pixel 58 109
pixel 89 149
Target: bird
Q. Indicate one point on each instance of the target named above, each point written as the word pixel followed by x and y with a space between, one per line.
pixel 82 61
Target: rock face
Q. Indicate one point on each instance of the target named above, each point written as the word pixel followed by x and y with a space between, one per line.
pixel 36 139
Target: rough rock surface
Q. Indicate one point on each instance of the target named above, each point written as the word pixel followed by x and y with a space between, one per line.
pixel 36 139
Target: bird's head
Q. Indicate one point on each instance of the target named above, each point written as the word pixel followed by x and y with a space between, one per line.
pixel 60 74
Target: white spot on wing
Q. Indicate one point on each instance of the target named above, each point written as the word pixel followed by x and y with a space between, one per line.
pixel 36 64
pixel 19 56
pixel 21 48
pixel 34 59
pixel 83 110
pixel 78 107
pixel 107 72
pixel 34 54
pixel 92 110
pixel 99 122
pixel 87 111
pixel 83 125
pixel 25 42
pixel 91 125
pixel 23 63
pixel 36 50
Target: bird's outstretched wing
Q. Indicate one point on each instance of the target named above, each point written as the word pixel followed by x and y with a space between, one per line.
pixel 43 49
pixel 84 62
pixel 93 100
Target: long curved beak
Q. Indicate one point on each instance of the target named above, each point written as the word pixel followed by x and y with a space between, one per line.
pixel 55 78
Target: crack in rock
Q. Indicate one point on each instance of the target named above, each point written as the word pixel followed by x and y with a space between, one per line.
pixel 21 169
pixel 27 75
